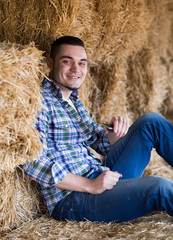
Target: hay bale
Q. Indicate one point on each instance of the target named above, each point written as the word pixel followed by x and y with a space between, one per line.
pixel 168 104
pixel 157 166
pixel 44 21
pixel 124 29
pixel 20 199
pixel 20 101
pixel 87 94
pixel 112 83
pixel 147 83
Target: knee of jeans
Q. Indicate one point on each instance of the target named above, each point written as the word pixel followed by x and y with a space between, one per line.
pixel 150 117
pixel 162 185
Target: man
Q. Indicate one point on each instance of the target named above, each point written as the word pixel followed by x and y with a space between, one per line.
pixel 74 184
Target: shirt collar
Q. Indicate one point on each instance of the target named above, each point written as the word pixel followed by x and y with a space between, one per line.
pixel 56 91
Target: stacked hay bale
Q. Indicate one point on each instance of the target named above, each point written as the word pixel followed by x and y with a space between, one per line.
pixel 124 29
pixel 168 61
pixel 44 21
pixel 148 75
pixel 117 35
pixel 20 101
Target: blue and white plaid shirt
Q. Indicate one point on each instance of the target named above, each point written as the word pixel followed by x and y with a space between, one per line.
pixel 66 135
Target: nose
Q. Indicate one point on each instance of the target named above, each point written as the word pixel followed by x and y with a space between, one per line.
pixel 74 67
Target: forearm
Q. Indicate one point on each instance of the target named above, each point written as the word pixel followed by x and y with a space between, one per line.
pixel 74 182
pixel 104 181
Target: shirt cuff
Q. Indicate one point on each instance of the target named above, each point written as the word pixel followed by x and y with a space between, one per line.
pixel 59 172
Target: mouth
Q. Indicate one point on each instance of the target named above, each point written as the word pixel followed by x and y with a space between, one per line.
pixel 75 77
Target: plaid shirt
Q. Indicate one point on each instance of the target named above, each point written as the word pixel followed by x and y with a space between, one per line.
pixel 66 135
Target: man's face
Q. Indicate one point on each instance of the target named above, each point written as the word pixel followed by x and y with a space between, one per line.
pixel 69 67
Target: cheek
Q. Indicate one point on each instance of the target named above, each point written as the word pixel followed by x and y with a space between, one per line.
pixel 84 72
pixel 59 70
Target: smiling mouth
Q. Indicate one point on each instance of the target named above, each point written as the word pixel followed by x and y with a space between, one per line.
pixel 73 77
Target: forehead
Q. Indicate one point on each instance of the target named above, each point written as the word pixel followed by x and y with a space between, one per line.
pixel 75 52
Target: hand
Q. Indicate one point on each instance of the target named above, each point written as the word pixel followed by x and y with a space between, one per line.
pixel 120 128
pixel 105 181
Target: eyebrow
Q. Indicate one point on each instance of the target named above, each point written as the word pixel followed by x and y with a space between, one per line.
pixel 83 59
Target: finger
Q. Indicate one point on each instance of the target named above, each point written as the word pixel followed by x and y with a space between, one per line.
pixel 115 124
pixel 117 174
pixel 120 125
pixel 112 174
pixel 114 181
pixel 127 126
pixel 109 187
pixel 124 128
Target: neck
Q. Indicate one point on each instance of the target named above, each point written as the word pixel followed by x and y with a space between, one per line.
pixel 65 90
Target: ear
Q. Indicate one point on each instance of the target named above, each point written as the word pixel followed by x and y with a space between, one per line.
pixel 50 63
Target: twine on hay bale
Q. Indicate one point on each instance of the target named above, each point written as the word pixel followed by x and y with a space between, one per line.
pixel 20 101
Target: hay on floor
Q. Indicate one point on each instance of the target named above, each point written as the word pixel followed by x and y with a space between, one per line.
pixel 155 226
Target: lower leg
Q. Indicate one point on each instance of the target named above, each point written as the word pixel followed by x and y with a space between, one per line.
pixel 131 154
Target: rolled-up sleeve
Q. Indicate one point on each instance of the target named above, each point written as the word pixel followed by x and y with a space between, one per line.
pixel 59 172
pixel 40 169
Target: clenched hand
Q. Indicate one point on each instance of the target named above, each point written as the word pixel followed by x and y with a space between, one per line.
pixel 105 181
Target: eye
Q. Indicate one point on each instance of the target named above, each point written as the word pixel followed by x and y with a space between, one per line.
pixel 66 61
pixel 82 63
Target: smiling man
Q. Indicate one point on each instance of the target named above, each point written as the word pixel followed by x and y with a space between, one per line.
pixel 76 185
pixel 68 67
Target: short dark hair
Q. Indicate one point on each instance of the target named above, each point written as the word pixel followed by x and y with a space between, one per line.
pixel 65 40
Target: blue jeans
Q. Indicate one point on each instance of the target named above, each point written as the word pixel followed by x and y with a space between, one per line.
pixel 133 196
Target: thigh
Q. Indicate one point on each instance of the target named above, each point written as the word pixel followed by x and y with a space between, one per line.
pixel 128 200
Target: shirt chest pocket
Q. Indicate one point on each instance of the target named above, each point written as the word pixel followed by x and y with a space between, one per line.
pixel 63 132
